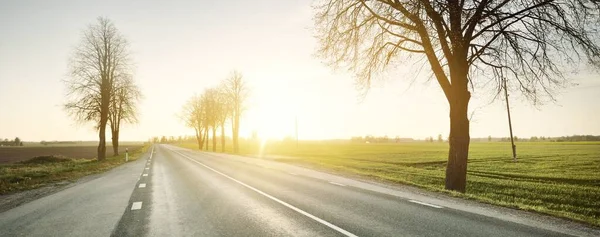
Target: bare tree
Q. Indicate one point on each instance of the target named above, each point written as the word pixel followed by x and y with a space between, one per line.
pixel 194 116
pixel 123 106
pixel 238 92
pixel 529 42
pixel 210 103
pixel 100 57
pixel 224 111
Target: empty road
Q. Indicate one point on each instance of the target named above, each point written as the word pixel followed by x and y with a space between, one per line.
pixel 179 192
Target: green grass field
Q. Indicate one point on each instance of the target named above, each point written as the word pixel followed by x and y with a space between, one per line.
pixel 557 178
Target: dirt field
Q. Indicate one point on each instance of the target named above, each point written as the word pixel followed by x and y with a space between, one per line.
pixel 16 154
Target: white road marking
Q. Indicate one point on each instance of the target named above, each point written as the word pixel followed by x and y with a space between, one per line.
pixel 152 152
pixel 293 173
pixel 136 206
pixel 324 222
pixel 147 168
pixel 142 186
pixel 424 203
pixel 145 175
pixel 338 184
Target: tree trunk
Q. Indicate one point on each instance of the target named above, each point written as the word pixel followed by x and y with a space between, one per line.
pixel 223 137
pixel 206 138
pixel 200 141
pixel 456 170
pixel 102 143
pixel 115 142
pixel 199 138
pixel 214 138
pixel 102 129
pixel 236 130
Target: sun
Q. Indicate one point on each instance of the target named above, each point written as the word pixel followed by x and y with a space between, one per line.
pixel 274 126
pixel 274 120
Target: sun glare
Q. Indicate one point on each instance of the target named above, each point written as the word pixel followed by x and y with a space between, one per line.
pixel 273 113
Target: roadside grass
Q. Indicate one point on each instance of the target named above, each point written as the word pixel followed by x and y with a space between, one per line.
pixel 556 178
pixel 41 171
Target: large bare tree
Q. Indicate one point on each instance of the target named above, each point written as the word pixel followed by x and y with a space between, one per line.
pixel 123 107
pixel 237 91
pixel 529 43
pixel 101 55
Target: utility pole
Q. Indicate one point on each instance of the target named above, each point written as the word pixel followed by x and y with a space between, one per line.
pixel 296 131
pixel 514 148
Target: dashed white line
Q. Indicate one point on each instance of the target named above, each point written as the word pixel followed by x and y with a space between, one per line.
pixel 425 204
pixel 324 222
pixel 147 168
pixel 145 175
pixel 142 186
pixel 293 173
pixel 338 184
pixel 136 206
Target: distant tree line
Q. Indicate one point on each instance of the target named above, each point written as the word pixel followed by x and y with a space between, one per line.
pixel 381 139
pixel 45 143
pixel 574 138
pixel 15 142
pixel 184 139
pixel 172 139
pixel 385 139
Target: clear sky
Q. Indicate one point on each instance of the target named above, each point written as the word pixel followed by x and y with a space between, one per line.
pixel 181 47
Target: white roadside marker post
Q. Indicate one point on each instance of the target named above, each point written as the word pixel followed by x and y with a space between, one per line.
pixel 126 155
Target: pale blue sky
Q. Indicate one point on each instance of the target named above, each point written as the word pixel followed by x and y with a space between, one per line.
pixel 181 47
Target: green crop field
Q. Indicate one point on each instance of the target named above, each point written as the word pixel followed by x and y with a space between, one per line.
pixel 556 178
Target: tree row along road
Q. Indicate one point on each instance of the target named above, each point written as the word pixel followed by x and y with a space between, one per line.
pixel 179 192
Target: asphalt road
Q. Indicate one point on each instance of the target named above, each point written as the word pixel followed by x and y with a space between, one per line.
pixel 189 193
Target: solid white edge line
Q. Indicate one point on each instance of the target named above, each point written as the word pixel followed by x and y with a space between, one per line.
pixel 338 184
pixel 324 222
pixel 136 206
pixel 142 186
pixel 152 152
pixel 424 203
